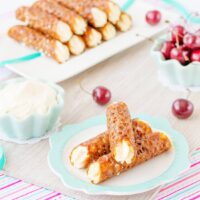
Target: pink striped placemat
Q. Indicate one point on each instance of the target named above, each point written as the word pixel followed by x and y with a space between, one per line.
pixel 186 186
pixel 15 189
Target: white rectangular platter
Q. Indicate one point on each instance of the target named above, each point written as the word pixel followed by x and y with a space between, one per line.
pixel 47 69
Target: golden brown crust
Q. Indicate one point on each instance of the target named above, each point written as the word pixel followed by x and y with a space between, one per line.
pixel 34 39
pixel 41 20
pixel 82 7
pixel 63 13
pixel 119 126
pixel 147 146
pixel 100 145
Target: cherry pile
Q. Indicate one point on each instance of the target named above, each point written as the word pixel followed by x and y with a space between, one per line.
pixel 182 46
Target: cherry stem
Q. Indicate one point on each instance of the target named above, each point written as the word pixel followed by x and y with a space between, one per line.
pixel 83 89
pixel 188 93
pixel 147 38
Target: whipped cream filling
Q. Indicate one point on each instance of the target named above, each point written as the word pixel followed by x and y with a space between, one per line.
pixel 114 12
pixel 99 17
pixel 76 45
pixel 124 23
pixel 93 172
pixel 108 31
pixel 61 52
pixel 25 98
pixel 79 26
pixel 79 156
pixel 64 31
pixel 124 152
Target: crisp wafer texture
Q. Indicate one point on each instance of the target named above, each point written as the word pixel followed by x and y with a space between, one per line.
pixel 76 22
pixel 111 9
pixel 108 31
pixel 121 137
pixel 147 147
pixel 124 23
pixel 38 41
pixel 95 16
pixel 98 146
pixel 92 37
pixel 44 22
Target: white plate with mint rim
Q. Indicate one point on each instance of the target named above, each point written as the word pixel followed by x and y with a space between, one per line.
pixel 46 68
pixel 141 178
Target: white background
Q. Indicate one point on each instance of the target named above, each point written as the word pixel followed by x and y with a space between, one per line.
pixel 10 5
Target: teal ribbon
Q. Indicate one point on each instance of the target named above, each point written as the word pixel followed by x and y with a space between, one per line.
pixel 183 11
pixel 20 59
pixel 2 158
pixel 127 5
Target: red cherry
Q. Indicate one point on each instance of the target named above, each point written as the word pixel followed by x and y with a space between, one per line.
pixel 153 17
pixel 101 95
pixel 166 49
pixel 197 43
pixel 182 108
pixel 189 40
pixel 177 34
pixel 195 55
pixel 181 54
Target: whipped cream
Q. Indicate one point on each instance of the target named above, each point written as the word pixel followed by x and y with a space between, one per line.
pixel 24 98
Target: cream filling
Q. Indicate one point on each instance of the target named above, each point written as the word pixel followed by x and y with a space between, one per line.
pixel 94 38
pixel 61 52
pixel 108 31
pixel 124 152
pixel 76 45
pixel 63 31
pixel 124 23
pixel 114 12
pixel 79 156
pixel 94 172
pixel 79 26
pixel 22 99
pixel 99 17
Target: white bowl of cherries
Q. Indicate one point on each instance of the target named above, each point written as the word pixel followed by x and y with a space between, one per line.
pixel 178 57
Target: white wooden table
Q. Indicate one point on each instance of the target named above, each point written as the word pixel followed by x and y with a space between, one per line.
pixel 131 77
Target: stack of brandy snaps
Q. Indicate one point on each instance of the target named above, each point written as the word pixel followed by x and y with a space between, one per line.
pixel 125 144
pixel 59 28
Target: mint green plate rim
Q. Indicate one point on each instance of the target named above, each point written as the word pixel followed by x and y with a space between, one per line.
pixel 2 158
pixel 58 141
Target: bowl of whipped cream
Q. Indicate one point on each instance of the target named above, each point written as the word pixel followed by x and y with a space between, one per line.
pixel 29 108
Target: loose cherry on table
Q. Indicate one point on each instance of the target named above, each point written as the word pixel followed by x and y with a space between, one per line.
pixel 101 95
pixel 153 17
pixel 182 108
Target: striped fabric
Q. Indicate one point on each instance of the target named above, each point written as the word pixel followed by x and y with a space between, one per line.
pixel 14 189
pixel 187 185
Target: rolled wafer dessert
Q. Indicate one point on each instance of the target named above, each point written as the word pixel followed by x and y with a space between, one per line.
pixel 121 136
pixel 112 10
pixel 108 31
pixel 77 24
pixel 90 150
pixel 147 147
pixel 40 42
pixel 86 8
pixel 44 22
pixel 124 23
pixel 76 45
pixel 92 37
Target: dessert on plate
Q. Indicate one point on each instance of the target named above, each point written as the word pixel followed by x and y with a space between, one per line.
pixel 126 144
pixel 67 27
